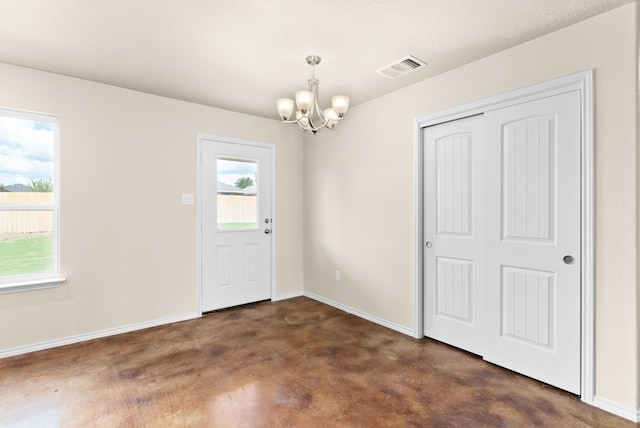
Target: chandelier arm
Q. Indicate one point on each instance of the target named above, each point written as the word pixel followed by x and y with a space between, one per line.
pixel 306 128
pixel 317 106
pixel 317 128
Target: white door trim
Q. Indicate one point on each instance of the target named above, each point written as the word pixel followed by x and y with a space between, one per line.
pixel 582 81
pixel 200 138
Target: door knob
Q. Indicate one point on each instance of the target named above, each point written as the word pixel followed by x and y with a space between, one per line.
pixel 429 244
pixel 568 260
pixel 267 231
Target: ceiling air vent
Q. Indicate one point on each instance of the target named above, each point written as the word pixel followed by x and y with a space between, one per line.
pixel 401 67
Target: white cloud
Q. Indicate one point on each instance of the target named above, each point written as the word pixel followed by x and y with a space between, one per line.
pixel 26 151
pixel 229 171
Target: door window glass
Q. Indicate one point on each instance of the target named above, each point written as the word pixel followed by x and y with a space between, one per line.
pixel 237 194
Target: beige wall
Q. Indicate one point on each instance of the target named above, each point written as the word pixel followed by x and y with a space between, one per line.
pixel 359 186
pixel 140 264
pixel 131 259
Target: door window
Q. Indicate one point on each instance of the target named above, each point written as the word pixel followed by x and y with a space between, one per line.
pixel 237 194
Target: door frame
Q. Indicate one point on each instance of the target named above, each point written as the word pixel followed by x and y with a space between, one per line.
pixel 200 139
pixel 583 82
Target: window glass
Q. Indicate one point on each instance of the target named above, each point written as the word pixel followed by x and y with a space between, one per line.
pixel 28 209
pixel 26 242
pixel 237 194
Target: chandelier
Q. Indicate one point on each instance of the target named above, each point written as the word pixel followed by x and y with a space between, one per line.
pixel 309 116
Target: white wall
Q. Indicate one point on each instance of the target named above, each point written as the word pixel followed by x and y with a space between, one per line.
pixel 359 186
pixel 128 246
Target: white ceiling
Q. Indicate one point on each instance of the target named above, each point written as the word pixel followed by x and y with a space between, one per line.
pixel 242 55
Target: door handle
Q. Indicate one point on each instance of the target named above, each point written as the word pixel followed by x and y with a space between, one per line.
pixel 267 231
pixel 429 244
pixel 568 260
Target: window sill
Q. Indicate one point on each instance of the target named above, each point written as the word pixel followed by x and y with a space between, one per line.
pixel 30 285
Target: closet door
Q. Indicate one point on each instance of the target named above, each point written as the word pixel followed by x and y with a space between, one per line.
pixel 454 233
pixel 532 241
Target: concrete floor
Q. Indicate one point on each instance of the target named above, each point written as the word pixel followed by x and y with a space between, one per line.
pixel 294 363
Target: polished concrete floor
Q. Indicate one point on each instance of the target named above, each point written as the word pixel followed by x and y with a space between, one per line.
pixel 295 363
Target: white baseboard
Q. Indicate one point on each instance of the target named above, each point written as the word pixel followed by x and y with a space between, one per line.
pixel 358 313
pixel 94 335
pixel 616 409
pixel 288 296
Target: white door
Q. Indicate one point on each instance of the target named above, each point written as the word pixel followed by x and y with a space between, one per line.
pixel 236 225
pixel 502 275
pixel 532 260
pixel 454 230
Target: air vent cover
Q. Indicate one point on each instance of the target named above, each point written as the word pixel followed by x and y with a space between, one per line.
pixel 401 67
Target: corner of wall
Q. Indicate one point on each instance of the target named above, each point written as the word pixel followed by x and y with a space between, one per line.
pixel 637 136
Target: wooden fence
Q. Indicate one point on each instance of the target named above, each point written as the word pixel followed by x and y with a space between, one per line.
pixel 237 209
pixel 231 209
pixel 22 222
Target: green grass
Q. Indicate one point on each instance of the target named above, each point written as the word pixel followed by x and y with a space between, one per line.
pixel 28 255
pixel 225 226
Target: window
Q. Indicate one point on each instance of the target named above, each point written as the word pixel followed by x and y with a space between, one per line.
pixel 237 198
pixel 28 201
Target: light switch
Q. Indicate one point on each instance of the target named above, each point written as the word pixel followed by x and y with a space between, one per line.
pixel 187 199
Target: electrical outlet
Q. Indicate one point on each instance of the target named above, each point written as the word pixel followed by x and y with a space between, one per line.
pixel 338 275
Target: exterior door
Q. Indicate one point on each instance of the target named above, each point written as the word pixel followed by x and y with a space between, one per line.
pixel 454 233
pixel 236 194
pixel 532 260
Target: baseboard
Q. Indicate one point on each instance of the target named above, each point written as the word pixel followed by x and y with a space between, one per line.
pixel 288 296
pixel 94 335
pixel 616 409
pixel 358 313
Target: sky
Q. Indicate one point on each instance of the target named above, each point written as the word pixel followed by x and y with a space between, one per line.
pixel 231 170
pixel 26 151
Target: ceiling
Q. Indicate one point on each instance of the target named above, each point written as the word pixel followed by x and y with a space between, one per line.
pixel 242 55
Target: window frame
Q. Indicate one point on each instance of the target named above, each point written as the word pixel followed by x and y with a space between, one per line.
pixel 37 281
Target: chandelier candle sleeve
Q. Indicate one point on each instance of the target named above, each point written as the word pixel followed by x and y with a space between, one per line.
pixel 310 116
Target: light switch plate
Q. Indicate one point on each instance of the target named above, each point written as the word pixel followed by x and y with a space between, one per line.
pixel 187 199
